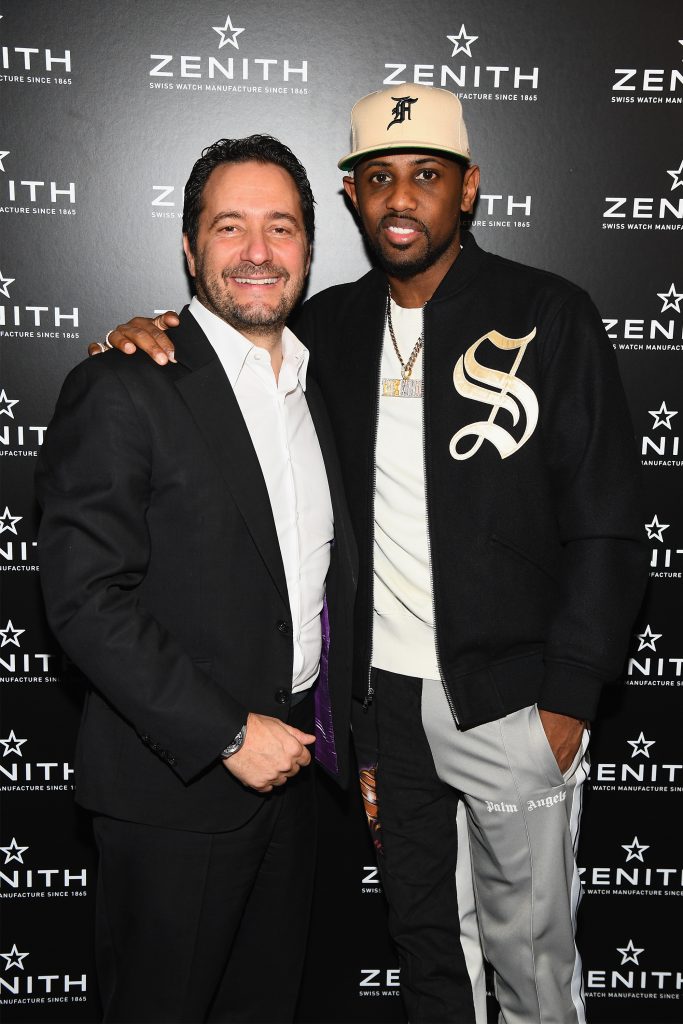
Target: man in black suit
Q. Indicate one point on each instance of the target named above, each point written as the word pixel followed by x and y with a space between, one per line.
pixel 194 569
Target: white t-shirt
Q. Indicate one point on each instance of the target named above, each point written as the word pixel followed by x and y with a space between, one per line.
pixel 403 626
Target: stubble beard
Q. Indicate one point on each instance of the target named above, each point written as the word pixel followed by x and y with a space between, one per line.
pixel 256 318
pixel 404 269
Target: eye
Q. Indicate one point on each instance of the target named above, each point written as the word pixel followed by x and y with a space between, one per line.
pixel 428 174
pixel 380 178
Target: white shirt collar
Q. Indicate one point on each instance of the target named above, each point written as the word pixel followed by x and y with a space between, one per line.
pixel 233 348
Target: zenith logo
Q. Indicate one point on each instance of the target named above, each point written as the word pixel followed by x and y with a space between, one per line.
pixel 222 73
pixel 228 34
pixel 629 953
pixel 667 443
pixel 33 664
pixel 462 42
pixel 641 746
pixel 490 81
pixel 634 850
pixel 655 530
pixel 39 985
pixel 638 334
pixel 14 852
pixel 648 85
pixel 637 878
pixel 31 317
pixel 32 776
pixel 662 417
pixel 38 882
pixel 634 212
pixel 648 640
pixel 8 522
pixel 13 551
pixel 660 671
pixel 640 772
pixel 666 984
pixel 15 438
pixel 662 559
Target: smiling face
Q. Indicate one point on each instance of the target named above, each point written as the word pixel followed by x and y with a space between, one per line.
pixel 410 205
pixel 252 254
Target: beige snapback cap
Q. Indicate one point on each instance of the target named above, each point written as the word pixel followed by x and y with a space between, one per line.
pixel 407 117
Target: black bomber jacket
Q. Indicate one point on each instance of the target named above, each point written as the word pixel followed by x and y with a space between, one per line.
pixel 536 535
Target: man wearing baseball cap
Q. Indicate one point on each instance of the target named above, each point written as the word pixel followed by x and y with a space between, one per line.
pixel 489 466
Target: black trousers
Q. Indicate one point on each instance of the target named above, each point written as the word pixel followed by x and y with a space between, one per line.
pixel 196 926
pixel 417 813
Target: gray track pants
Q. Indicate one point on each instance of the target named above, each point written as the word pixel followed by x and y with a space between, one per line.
pixel 523 819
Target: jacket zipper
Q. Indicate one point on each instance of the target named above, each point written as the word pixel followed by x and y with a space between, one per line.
pixel 370 691
pixel 429 535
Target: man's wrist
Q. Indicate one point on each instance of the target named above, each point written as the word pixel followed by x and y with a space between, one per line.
pixel 236 744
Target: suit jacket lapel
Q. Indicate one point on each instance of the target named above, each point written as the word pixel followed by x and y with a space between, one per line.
pixel 207 392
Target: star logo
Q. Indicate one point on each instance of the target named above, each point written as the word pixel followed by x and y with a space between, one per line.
pixel 648 639
pixel 6 404
pixel 655 529
pixel 3 154
pixel 629 954
pixel 671 299
pixel 12 744
pixel 677 176
pixel 10 635
pixel 640 746
pixel 662 416
pixel 228 34
pixel 634 850
pixel 5 282
pixel 7 522
pixel 462 42
pixel 14 958
pixel 14 852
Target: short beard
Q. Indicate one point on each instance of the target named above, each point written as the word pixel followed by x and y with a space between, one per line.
pixel 405 269
pixel 259 321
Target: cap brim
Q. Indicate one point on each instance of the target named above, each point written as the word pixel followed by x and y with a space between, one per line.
pixel 348 162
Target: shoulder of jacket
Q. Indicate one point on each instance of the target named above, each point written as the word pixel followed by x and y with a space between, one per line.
pixel 533 279
pixel 340 294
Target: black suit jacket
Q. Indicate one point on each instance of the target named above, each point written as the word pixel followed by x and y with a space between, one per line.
pixel 164 583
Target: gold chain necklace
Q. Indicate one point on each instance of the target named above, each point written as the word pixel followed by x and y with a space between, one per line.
pixel 406 368
pixel 405 387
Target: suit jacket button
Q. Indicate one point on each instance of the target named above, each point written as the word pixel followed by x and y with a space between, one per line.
pixel 154 746
pixel 171 760
pixel 281 696
pixel 145 738
pixel 284 628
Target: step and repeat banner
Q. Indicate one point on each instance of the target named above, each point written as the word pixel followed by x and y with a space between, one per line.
pixel 575 114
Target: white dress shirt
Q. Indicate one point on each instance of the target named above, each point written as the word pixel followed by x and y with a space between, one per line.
pixel 282 432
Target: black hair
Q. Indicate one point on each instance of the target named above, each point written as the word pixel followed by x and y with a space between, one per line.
pixel 263 149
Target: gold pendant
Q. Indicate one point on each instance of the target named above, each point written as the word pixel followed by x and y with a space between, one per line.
pixel 406 388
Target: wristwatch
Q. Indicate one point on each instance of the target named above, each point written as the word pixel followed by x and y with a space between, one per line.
pixel 236 744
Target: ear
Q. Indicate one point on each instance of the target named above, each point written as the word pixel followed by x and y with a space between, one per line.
pixel 470 187
pixel 349 183
pixel 188 256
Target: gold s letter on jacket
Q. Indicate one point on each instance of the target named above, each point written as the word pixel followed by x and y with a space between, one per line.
pixel 504 391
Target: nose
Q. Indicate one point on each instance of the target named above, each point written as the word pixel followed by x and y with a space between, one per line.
pixel 256 247
pixel 402 196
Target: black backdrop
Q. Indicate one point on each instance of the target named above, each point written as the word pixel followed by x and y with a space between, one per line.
pixel 574 112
